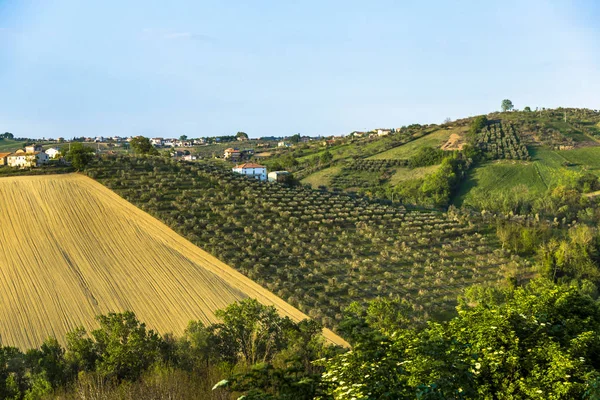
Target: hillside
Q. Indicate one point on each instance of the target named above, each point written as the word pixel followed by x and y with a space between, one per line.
pixel 555 147
pixel 71 249
pixel 317 250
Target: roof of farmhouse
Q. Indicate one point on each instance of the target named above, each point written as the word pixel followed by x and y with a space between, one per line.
pixel 249 165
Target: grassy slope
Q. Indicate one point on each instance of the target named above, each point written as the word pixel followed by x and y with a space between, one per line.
pixel 545 169
pixel 10 145
pixel 322 177
pixel 72 249
pixel 434 139
pixel 403 173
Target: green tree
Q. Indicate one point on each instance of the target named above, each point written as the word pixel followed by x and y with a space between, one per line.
pixel 122 348
pixel 540 342
pixel 50 361
pixel 478 124
pixel 79 155
pixel 527 109
pixel 295 138
pixel 242 135
pixel 183 137
pixel 326 157
pixel 196 348
pixel 250 332
pixel 507 105
pixel 142 145
pixel 7 135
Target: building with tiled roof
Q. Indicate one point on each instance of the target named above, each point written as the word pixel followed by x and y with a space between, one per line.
pixel 252 170
pixel 3 158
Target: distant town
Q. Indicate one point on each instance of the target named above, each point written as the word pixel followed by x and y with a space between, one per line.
pixel 244 153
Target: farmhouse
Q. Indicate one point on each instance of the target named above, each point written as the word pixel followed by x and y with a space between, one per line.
pixel 232 154
pixel 157 141
pixel 252 170
pixel 383 132
pixel 278 176
pixel 27 159
pixel 53 153
pixel 3 158
pixel 32 148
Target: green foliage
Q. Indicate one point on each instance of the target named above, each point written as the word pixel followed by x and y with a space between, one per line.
pixel 425 157
pixel 537 342
pixel 499 141
pixel 79 155
pixel 507 105
pixel 575 257
pixel 250 332
pixel 142 145
pixel 437 188
pixel 478 124
pixel 124 346
pixel 326 157
pixel 7 135
pixel 243 135
pixel 527 109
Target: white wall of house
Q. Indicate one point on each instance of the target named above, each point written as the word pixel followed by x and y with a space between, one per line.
pixel 53 152
pixel 257 173
pixel 27 159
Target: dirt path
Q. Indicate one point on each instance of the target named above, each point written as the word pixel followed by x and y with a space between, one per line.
pixel 453 143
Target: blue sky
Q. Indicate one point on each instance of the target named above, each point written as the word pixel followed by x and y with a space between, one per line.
pixel 204 68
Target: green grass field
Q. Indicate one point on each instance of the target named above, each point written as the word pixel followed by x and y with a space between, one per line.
pixel 434 139
pixel 545 170
pixel 7 145
pixel 404 174
pixel 322 177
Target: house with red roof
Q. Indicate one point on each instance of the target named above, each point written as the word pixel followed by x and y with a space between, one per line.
pixel 252 170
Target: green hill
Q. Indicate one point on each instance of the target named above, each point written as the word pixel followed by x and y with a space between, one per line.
pixel 315 249
pixel 526 151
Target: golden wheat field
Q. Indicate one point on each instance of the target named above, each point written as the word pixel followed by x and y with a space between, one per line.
pixel 71 249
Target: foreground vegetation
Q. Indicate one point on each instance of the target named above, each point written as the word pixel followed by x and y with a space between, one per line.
pixel 540 341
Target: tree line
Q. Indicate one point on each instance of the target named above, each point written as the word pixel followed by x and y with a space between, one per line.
pixel 536 341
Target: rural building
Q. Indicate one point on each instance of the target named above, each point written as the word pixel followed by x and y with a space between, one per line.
pixel 278 176
pixel 32 148
pixel 283 144
pixel 252 170
pixel 27 159
pixel 232 154
pixel 383 132
pixel 3 158
pixel 53 153
pixel 157 141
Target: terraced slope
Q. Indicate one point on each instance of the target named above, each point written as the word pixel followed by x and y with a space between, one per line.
pixel 71 249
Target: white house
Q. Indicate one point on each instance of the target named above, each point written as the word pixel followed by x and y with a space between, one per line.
pixel 283 144
pixel 383 132
pixel 278 176
pixel 53 153
pixel 29 159
pixel 157 141
pixel 32 148
pixel 252 170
